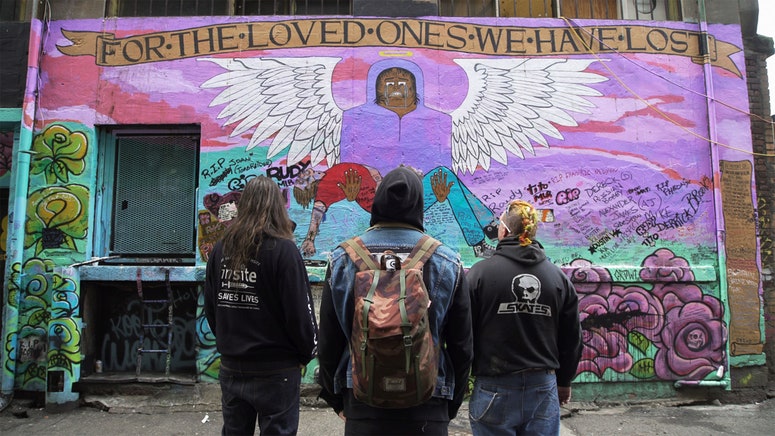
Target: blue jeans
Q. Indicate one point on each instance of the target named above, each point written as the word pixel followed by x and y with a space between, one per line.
pixel 524 403
pixel 270 397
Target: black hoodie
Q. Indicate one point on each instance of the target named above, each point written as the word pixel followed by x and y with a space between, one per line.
pixel 399 199
pixel 262 317
pixel 524 313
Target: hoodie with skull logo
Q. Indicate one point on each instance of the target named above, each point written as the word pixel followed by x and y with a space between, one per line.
pixel 524 313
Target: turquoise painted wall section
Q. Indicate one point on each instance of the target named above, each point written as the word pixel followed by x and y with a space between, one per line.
pixel 605 126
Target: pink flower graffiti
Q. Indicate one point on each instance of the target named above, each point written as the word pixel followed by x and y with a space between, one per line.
pixel 683 324
pixel 693 342
pixel 605 341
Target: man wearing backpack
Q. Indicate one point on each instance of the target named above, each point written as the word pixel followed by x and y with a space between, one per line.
pixel 527 335
pixel 376 393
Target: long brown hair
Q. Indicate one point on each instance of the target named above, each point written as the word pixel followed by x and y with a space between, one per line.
pixel 260 212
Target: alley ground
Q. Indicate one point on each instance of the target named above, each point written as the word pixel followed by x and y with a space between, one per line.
pixel 197 413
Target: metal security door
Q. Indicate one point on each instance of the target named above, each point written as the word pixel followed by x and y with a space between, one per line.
pixel 154 196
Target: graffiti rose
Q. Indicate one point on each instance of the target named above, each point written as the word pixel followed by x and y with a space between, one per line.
pixel 14 288
pixel 665 266
pixel 64 344
pixel 604 340
pixel 56 217
pixel 692 342
pixel 609 314
pixel 36 284
pixel 604 349
pixel 38 279
pixel 638 308
pixel 588 278
pixel 675 320
pixel 58 153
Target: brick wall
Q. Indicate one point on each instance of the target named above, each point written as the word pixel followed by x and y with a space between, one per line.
pixel 757 50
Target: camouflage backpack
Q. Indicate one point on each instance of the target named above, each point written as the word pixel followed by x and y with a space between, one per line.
pixel 394 360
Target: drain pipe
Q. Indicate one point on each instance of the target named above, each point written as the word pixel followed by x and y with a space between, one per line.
pixel 716 168
pixel 702 383
pixel 706 383
pixel 20 174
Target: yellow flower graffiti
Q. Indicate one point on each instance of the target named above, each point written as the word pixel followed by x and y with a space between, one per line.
pixel 56 217
pixel 58 153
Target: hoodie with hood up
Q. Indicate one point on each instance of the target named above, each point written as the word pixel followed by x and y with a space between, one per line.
pixel 397 223
pixel 524 313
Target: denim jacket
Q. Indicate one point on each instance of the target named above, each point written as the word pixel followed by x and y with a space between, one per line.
pixel 449 315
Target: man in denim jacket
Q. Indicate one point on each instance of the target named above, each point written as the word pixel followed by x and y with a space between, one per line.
pixel 397 224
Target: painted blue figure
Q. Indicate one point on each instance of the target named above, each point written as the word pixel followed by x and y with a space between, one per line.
pixel 476 221
pixel 440 185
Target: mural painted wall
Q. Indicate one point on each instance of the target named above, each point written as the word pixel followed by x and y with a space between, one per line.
pixel 614 130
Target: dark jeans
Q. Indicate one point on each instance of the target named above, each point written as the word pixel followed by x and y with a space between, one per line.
pixel 270 397
pixel 374 427
pixel 429 418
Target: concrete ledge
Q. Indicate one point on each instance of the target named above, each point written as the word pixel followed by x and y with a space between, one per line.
pixel 200 397
pixel 125 273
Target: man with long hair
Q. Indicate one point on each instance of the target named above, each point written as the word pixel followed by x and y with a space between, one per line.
pixel 259 306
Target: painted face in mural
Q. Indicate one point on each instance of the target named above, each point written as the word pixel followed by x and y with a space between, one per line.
pixel 396 90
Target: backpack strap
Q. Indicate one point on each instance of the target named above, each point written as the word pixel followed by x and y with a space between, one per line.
pixel 365 324
pixel 361 257
pixel 359 254
pixel 422 251
pixel 406 326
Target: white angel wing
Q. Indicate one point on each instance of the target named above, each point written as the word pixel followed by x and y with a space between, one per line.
pixel 512 103
pixel 288 98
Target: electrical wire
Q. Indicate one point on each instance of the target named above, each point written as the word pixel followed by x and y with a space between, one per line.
pixel 575 30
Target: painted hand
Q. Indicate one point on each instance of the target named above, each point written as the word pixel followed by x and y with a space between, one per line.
pixel 440 186
pixel 352 184
pixel 308 247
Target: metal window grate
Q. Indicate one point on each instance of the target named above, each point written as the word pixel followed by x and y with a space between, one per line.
pixel 165 8
pixel 154 195
pixel 597 9
pixel 168 8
